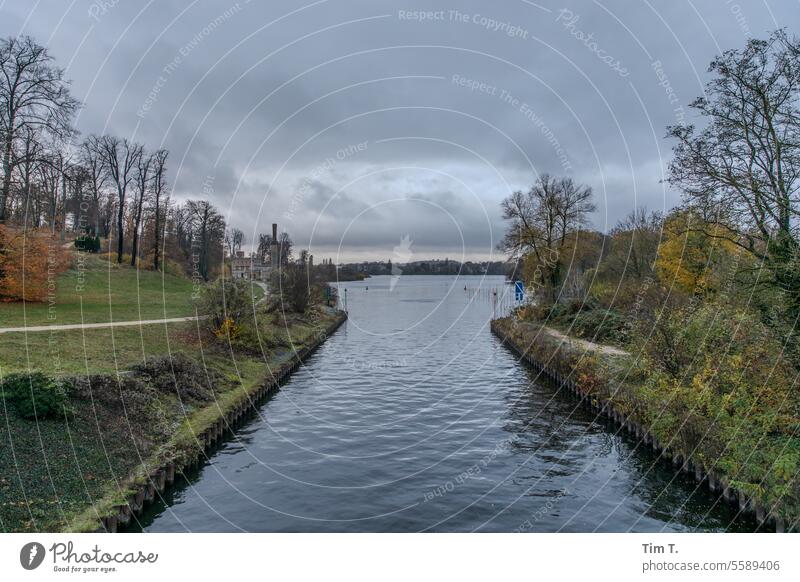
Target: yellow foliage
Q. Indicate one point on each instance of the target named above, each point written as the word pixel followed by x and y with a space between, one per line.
pixel 228 330
pixel 690 253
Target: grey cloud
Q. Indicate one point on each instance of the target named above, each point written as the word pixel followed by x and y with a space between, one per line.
pixel 342 73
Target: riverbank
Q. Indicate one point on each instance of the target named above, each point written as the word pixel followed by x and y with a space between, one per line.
pixel 759 478
pixel 127 435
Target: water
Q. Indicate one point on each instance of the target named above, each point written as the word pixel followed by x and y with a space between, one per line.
pixel 413 417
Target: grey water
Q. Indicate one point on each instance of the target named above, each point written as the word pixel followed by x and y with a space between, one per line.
pixel 413 417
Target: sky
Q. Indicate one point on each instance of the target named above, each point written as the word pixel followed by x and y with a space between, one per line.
pixel 369 129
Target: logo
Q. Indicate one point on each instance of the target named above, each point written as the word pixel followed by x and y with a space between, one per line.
pixel 402 253
pixel 31 555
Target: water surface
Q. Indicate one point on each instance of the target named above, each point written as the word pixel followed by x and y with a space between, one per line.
pixel 413 417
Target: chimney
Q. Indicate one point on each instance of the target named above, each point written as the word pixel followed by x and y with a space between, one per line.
pixel 274 257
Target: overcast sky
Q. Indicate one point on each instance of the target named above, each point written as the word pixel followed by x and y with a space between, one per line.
pixel 355 123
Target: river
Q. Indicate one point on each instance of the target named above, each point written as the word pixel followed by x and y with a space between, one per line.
pixel 413 417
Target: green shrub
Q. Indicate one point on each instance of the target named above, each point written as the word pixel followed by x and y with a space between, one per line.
pixel 34 395
pixel 600 325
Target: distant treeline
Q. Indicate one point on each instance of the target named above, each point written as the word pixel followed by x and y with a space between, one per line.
pixel 431 267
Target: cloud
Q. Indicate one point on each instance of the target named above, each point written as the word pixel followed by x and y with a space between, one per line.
pixel 455 110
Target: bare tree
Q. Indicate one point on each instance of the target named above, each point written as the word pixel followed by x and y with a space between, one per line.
pixel 160 202
pixel 120 159
pixel 208 228
pixel 27 159
pixel 234 239
pixel 144 165
pixel 97 175
pixel 742 170
pixel 33 95
pixel 541 220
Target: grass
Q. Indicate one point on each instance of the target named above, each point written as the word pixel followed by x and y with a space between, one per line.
pixel 97 291
pixel 56 474
pixel 102 350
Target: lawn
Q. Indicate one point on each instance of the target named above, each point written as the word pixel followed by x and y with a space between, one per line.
pixel 54 471
pixel 99 291
pixel 103 350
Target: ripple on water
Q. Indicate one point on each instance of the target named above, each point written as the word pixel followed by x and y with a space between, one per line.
pixel 413 417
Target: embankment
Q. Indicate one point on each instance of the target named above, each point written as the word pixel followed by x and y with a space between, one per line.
pixel 607 384
pixel 191 440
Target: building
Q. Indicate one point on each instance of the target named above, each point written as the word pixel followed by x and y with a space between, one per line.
pixel 257 267
pixel 252 268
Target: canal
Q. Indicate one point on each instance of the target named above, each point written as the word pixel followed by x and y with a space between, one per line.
pixel 413 417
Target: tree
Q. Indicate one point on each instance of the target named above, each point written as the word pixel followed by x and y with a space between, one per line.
pixel 97 175
pixel 690 256
pixel 541 220
pixel 27 159
pixel 160 201
pixel 208 231
pixel 141 183
pixel 633 246
pixel 234 239
pixel 27 260
pixel 33 95
pixel 293 281
pixel 120 159
pixel 741 172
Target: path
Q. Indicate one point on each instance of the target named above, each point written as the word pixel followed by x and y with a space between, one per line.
pixel 585 344
pixel 96 325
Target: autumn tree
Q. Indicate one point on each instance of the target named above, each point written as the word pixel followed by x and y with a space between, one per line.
pixel 27 258
pixel 540 222
pixel 741 171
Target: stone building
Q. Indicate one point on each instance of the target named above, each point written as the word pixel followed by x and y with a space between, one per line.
pixel 255 267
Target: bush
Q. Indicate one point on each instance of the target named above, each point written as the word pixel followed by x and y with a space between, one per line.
pixel 600 325
pixel 293 285
pixel 181 375
pixel 29 259
pixel 88 243
pixel 35 395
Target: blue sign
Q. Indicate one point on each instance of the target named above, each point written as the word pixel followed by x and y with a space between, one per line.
pixel 519 290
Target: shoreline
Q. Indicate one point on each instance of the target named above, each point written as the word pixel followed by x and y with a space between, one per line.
pixel 715 480
pixel 184 451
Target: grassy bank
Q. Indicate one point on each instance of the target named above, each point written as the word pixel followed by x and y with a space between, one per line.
pixel 63 472
pixel 95 290
pixel 134 398
pixel 745 437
